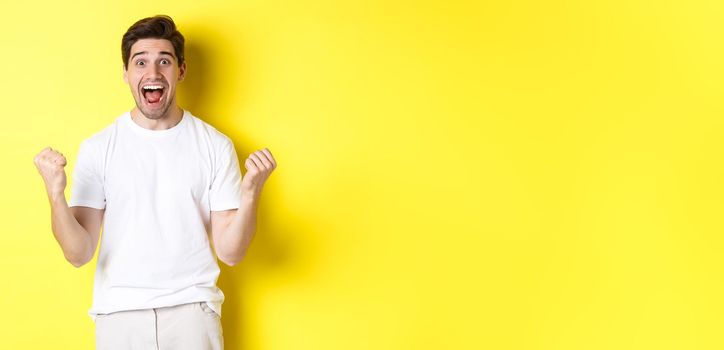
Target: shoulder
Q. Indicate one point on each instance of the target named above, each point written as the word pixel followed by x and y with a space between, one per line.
pixel 215 138
pixel 100 139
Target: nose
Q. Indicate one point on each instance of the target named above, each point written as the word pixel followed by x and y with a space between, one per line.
pixel 153 71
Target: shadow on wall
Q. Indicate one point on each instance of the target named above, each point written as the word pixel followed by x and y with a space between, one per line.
pixel 282 240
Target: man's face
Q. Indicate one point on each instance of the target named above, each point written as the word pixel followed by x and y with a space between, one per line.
pixel 152 75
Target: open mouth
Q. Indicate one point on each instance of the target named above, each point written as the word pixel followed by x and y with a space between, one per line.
pixel 152 93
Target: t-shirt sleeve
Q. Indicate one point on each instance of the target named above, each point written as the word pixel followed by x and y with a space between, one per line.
pixel 225 191
pixel 87 187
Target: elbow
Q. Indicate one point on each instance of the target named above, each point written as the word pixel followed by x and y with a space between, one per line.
pixel 231 260
pixel 78 254
pixel 77 261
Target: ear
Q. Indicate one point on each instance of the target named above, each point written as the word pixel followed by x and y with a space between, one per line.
pixel 182 72
pixel 125 74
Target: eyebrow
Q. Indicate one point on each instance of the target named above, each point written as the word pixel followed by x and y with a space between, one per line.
pixel 146 52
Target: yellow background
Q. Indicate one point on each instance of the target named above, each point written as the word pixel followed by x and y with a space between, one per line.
pixel 452 175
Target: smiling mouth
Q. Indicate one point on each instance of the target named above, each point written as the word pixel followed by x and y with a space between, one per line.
pixel 152 93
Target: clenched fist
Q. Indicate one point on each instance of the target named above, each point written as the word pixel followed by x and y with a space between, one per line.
pixel 51 166
pixel 259 166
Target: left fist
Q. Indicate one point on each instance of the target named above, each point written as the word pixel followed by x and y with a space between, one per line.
pixel 259 165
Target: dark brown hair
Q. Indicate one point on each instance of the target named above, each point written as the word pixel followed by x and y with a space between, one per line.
pixel 156 27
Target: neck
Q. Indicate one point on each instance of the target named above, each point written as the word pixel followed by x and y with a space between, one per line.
pixel 167 121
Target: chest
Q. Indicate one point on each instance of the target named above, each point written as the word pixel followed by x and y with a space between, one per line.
pixel 157 171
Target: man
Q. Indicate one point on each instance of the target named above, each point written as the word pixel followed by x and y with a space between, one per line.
pixel 166 188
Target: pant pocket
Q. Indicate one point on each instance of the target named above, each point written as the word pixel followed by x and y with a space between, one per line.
pixel 206 309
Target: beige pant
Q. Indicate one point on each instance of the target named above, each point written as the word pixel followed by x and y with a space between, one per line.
pixel 191 326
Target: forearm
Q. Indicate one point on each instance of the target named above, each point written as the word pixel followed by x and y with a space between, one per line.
pixel 237 236
pixel 74 240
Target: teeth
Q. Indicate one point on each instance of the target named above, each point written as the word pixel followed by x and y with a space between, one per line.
pixel 153 87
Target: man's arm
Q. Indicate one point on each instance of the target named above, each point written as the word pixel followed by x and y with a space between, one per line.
pixel 76 229
pixel 233 230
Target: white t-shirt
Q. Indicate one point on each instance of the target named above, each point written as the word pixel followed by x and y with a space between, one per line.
pixel 158 188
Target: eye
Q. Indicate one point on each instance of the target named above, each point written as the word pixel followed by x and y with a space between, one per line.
pixel 140 63
pixel 165 61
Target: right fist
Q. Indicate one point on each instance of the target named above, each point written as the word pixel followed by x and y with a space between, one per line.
pixel 51 166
